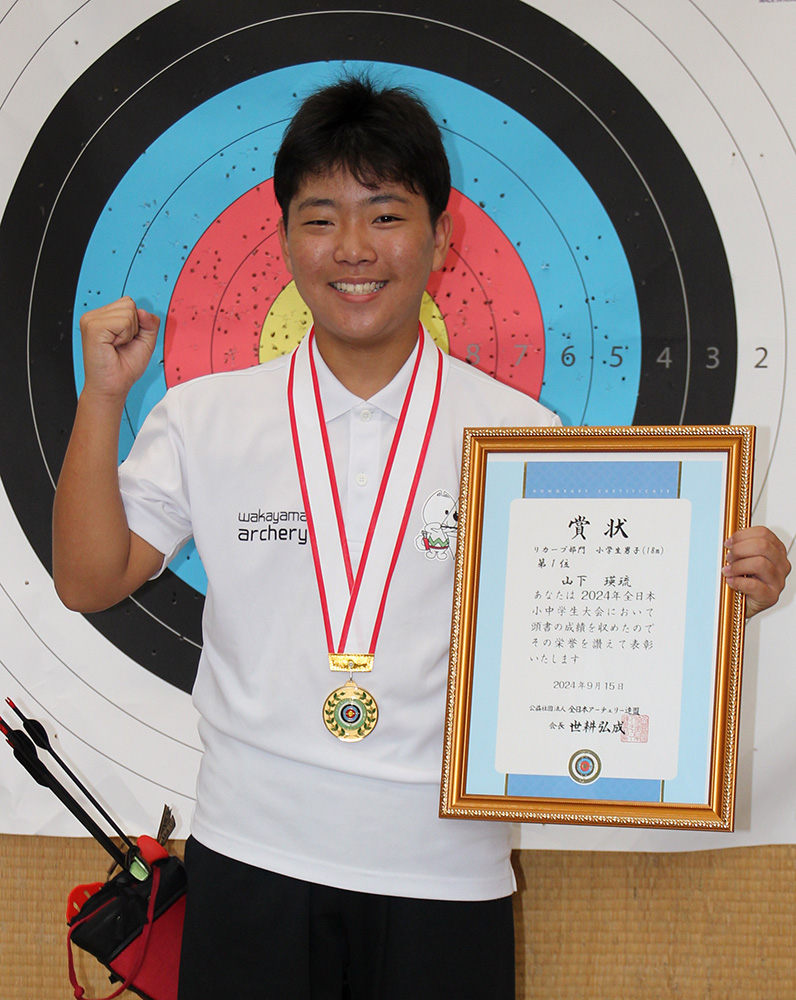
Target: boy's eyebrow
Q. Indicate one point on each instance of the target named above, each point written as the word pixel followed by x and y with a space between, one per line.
pixel 382 198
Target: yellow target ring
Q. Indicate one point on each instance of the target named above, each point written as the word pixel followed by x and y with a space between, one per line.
pixel 289 319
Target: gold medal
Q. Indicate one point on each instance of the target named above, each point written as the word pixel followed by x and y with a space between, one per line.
pixel 350 713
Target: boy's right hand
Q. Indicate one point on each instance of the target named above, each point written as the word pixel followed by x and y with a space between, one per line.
pixel 118 342
pixel 97 559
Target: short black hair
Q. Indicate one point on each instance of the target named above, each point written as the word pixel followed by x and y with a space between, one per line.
pixel 376 134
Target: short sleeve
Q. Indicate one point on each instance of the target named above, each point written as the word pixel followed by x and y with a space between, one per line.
pixel 153 481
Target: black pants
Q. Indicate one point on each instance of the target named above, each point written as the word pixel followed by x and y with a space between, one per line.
pixel 254 935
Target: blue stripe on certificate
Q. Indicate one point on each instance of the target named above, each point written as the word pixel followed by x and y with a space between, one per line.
pixel 506 480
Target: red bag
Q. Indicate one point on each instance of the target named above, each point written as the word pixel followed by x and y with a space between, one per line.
pixel 135 929
pixel 133 923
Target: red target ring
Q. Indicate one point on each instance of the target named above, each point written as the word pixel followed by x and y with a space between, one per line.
pixel 234 304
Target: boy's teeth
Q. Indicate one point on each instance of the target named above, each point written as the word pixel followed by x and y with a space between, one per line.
pixel 365 288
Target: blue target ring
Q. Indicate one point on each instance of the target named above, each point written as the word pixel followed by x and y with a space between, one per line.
pixel 531 190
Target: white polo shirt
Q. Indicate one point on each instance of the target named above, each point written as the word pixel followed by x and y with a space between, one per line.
pixel 215 460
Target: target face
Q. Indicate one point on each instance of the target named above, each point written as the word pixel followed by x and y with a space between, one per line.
pixel 584 767
pixel 587 268
pixel 560 227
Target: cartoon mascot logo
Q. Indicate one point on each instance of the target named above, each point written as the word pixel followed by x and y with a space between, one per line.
pixel 438 535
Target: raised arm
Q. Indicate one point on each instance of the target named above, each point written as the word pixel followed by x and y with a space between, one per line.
pixel 756 565
pixel 97 560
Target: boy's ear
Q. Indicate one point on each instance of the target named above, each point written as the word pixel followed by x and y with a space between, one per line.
pixel 442 240
pixel 281 230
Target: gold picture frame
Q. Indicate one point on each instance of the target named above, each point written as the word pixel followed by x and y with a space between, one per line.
pixel 596 651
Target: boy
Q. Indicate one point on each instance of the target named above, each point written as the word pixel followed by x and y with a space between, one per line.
pixel 317 857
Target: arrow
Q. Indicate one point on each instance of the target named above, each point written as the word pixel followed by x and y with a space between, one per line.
pixel 38 734
pixel 25 752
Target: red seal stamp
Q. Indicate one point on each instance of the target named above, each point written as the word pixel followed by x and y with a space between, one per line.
pixel 635 728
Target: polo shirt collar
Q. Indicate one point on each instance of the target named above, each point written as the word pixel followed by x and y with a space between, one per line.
pixel 338 400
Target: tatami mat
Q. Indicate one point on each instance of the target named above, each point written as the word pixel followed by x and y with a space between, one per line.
pixel 716 925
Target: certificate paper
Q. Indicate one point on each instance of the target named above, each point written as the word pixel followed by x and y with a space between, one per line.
pixel 593 628
pixel 596 651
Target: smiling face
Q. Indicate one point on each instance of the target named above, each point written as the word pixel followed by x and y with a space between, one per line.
pixel 361 257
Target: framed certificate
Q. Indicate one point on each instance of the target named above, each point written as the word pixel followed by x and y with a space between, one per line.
pixel 596 651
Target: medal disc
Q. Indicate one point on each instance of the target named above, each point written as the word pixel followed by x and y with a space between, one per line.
pixel 350 713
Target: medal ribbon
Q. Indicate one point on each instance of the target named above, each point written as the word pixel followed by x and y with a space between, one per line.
pixel 354 583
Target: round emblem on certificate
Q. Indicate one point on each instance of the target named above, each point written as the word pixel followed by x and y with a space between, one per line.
pixel 584 766
pixel 350 713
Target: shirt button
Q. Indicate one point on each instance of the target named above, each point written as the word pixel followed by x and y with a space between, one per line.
pixel 362 479
pixel 366 415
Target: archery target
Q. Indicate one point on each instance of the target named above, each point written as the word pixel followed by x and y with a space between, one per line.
pixel 594 263
pixel 531 248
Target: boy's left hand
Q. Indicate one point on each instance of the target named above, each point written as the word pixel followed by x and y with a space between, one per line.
pixel 757 565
